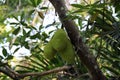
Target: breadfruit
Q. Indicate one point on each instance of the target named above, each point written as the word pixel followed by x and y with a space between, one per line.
pixel 49 52
pixel 68 55
pixel 59 40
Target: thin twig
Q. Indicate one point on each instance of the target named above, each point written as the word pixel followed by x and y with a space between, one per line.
pixel 46 72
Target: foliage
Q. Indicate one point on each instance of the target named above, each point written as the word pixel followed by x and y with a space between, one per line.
pixel 101 34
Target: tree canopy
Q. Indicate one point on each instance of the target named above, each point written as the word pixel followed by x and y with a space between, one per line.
pixel 91 26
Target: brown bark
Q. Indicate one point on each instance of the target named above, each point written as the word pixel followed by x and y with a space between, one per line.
pixel 83 52
pixel 9 72
pixel 16 76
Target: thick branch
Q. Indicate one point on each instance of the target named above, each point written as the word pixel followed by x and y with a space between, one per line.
pixel 9 72
pixel 73 33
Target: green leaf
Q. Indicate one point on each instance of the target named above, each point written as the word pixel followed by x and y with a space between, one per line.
pixel 28 68
pixel 26 45
pixel 22 17
pixel 80 23
pixel 40 27
pixel 28 33
pixel 36 67
pixel 23 23
pixel 41 59
pixel 1 58
pixel 37 63
pixel 9 57
pixel 16 50
pixel 31 12
pixel 37 35
pixel 15 17
pixel 16 43
pixel 4 51
pixel 44 36
pixel 117 8
pixel 44 8
pixel 22 71
pixel 38 2
pixel 78 6
pixel 24 32
pixel 112 70
pixel 16 31
pixel 23 39
pixel 14 23
pixel 33 3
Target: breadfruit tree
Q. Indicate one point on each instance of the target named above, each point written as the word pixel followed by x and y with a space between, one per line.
pixel 59 39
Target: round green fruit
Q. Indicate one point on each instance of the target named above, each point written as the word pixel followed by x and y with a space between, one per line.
pixel 68 55
pixel 59 40
pixel 49 52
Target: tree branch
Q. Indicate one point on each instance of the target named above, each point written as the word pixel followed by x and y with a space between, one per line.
pixel 73 33
pixel 16 76
pixel 46 72
pixel 9 72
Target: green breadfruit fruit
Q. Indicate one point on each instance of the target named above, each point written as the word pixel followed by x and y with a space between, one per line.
pixel 59 40
pixel 49 52
pixel 68 55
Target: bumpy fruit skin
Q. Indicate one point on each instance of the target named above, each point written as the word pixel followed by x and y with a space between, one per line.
pixel 59 40
pixel 68 55
pixel 49 52
pixel 62 45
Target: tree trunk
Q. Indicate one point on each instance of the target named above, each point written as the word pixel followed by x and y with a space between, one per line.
pixel 83 52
